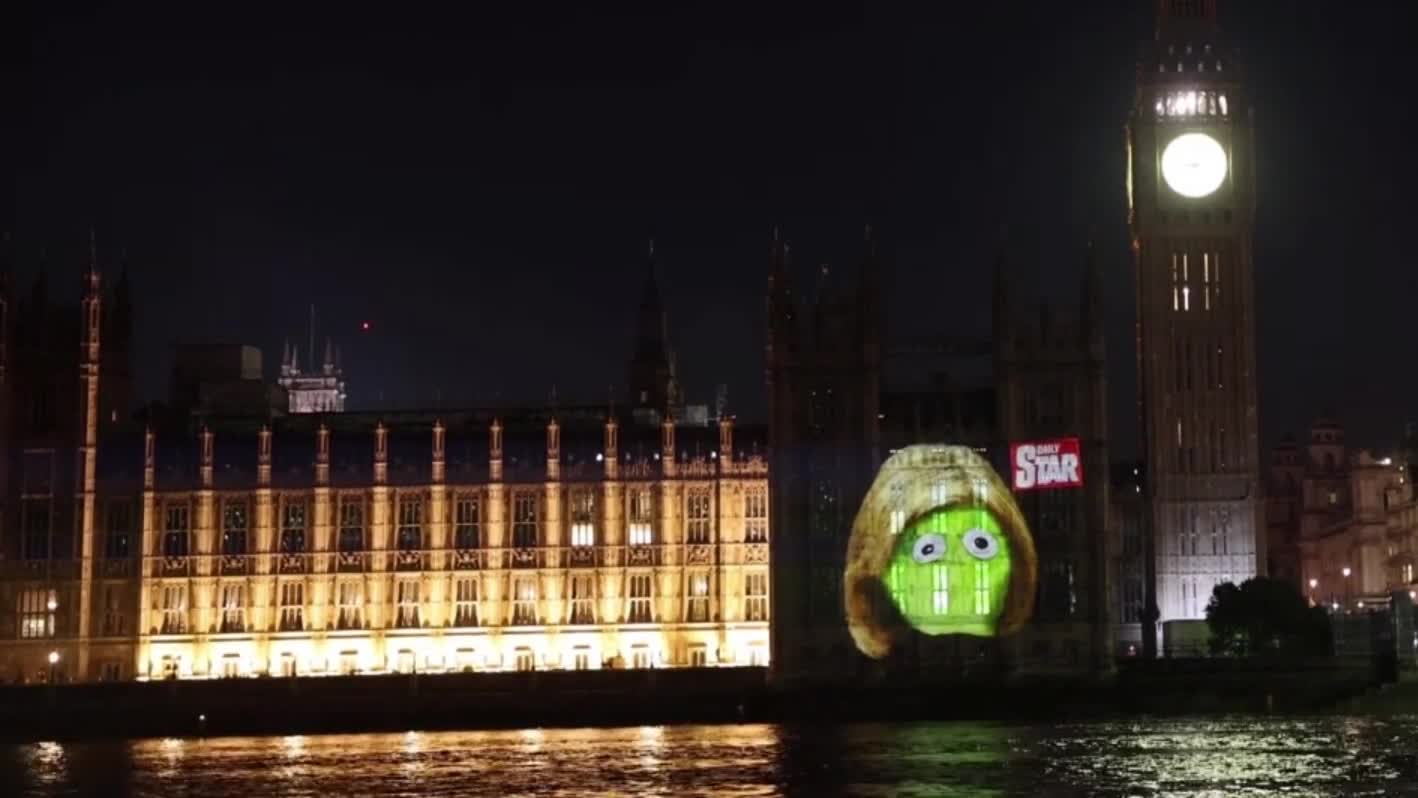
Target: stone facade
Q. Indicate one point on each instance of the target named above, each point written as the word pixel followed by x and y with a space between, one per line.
pixel 1344 523
pixel 1196 315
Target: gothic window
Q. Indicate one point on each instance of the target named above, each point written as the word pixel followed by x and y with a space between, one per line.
pixel 349 611
pixel 233 608
pixel 174 609
pixel 465 601
pixel 697 606
pixel 112 612
pixel 177 530
pixel 293 527
pixel 524 520
pixel 641 597
pixel 410 533
pixel 697 516
pixel 755 603
pixel 583 599
pixel 351 524
pixel 524 601
pixel 755 514
pixel 36 514
pixel 406 612
pixel 467 522
pixel 118 530
pixel 234 525
pixel 642 514
pixel 35 609
pixel 292 614
pixel 583 517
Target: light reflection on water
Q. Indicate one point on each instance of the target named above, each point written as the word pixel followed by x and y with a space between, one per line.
pixel 1171 757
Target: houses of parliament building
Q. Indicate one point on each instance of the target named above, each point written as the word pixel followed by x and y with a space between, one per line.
pixel 195 546
pixel 200 544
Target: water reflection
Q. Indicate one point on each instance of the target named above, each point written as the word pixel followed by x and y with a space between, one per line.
pixel 1190 758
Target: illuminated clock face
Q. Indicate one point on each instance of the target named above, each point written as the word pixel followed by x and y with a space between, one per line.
pixel 1194 165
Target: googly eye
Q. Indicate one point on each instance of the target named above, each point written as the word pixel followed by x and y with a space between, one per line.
pixel 928 548
pixel 981 545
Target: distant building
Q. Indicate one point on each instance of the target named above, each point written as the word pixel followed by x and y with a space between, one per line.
pixel 1342 524
pixel 223 380
pixel 316 390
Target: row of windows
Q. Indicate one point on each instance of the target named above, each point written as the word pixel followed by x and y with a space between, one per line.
pixel 350 604
pixel 1196 281
pixel 37 523
pixel 411 519
pixel 1192 103
pixel 37 612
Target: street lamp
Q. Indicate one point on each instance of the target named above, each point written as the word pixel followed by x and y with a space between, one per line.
pixel 53 661
pixel 1314 583
pixel 1346 572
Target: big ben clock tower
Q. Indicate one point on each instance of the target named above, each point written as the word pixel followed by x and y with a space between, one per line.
pixel 1191 207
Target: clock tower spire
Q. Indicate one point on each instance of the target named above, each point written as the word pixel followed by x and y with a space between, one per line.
pixel 1190 148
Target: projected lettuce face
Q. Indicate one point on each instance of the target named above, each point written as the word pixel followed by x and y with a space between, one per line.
pixel 939 547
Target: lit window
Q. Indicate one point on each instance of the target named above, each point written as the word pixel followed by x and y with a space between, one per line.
pixel 642 508
pixel 583 599
pixel 641 593
pixel 465 601
pixel 1222 98
pixel 697 516
pixel 524 601
pixel 234 608
pixel 292 607
pixel 583 518
pixel 350 611
pixel 756 597
pixel 697 610
pixel 174 609
pixel 407 611
pixel 755 514
pixel 36 613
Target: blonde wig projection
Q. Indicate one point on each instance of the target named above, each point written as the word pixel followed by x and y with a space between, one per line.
pixel 939 546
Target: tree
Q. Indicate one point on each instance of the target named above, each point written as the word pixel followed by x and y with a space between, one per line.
pixel 1265 617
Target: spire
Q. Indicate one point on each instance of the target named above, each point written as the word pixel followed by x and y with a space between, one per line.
pixel 329 356
pixel 311 361
pixel 93 256
pixel 653 382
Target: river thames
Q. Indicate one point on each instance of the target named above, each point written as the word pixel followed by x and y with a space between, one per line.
pixel 1238 756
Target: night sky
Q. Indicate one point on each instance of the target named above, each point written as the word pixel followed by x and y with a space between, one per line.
pixel 481 187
